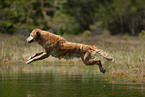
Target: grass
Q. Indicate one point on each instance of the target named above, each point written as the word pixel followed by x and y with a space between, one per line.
pixel 128 52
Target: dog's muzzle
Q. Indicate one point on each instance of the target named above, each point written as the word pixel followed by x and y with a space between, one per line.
pixel 30 39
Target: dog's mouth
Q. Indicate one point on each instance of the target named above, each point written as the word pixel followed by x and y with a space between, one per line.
pixel 30 39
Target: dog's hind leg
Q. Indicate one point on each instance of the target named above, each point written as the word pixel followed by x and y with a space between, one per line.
pixel 36 54
pixel 39 57
pixel 87 59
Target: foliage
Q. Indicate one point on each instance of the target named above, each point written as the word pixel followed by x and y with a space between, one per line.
pixel 72 16
pixel 142 34
pixel 64 23
pixel 123 16
pixel 87 34
pixel 96 27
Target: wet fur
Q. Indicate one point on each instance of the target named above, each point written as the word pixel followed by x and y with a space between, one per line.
pixel 59 47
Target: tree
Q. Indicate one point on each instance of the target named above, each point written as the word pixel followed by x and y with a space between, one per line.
pixel 123 16
pixel 72 16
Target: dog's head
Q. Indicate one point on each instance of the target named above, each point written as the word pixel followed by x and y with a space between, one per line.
pixel 34 35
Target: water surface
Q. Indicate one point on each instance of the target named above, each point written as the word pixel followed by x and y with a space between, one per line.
pixel 20 80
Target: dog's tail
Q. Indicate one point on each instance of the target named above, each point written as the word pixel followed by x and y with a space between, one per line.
pixel 103 54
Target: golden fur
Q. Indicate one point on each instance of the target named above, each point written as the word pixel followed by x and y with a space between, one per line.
pixel 59 47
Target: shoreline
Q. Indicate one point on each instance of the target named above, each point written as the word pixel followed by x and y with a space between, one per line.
pixel 128 53
pixel 128 75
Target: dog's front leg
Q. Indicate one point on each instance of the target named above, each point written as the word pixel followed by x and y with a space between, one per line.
pixel 39 57
pixel 36 54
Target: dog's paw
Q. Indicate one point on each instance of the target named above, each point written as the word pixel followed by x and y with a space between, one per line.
pixel 28 62
pixel 29 58
pixel 103 70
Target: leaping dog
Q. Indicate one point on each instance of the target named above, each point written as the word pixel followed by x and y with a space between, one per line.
pixel 59 47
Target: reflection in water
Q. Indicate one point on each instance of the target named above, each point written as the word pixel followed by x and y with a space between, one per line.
pixel 62 81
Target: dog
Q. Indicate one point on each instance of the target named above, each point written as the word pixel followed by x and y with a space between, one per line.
pixel 59 47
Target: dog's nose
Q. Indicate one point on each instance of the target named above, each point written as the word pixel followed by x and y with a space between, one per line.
pixel 29 41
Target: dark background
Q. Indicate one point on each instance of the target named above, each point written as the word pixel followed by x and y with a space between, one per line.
pixel 73 16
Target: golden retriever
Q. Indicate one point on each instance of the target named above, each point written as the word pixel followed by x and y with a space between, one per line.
pixel 59 47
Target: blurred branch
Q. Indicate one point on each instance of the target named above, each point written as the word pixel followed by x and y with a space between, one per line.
pixel 44 12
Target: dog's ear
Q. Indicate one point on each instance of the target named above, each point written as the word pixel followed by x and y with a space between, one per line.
pixel 38 34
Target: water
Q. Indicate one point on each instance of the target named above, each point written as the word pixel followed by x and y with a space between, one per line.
pixel 62 81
